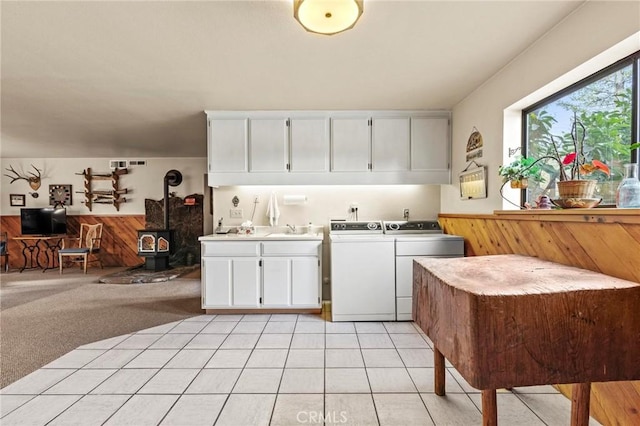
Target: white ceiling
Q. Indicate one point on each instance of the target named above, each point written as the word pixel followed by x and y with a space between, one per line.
pixel 118 79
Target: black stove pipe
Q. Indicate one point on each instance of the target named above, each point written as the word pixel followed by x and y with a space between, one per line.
pixel 172 178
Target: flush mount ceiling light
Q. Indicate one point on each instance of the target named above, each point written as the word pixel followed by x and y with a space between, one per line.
pixel 327 16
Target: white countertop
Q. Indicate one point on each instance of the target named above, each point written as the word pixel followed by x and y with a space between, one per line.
pixel 266 233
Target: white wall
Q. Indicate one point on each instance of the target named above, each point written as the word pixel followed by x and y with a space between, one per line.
pixel 142 182
pixel 547 66
pixel 330 202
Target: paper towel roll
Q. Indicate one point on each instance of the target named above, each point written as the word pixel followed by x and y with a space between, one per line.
pixel 294 199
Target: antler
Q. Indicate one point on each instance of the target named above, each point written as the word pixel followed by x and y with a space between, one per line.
pixel 36 177
pixel 17 175
pixel 34 180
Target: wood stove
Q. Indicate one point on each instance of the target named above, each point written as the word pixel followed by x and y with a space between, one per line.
pixel 155 245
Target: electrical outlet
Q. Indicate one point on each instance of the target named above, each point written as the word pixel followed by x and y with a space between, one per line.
pixel 405 214
pixel 235 213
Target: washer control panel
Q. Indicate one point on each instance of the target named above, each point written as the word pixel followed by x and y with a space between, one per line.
pixel 373 226
pixel 412 227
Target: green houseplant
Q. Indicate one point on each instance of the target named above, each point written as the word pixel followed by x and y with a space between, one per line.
pixel 519 171
pixel 573 168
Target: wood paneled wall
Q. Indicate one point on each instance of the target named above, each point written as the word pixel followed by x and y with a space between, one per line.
pixel 119 245
pixel 604 240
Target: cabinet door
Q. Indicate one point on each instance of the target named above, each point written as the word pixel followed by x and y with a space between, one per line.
pixel 390 144
pixel 305 281
pixel 276 282
pixel 350 144
pixel 429 143
pixel 245 282
pixel 216 282
pixel 268 145
pixel 404 276
pixel 309 145
pixel 227 145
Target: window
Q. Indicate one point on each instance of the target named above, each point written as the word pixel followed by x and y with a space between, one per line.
pixel 605 105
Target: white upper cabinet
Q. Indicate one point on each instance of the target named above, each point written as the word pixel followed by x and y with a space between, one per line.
pixel 268 143
pixel 350 144
pixel 309 145
pixel 228 145
pixel 429 143
pixel 390 144
pixel 328 147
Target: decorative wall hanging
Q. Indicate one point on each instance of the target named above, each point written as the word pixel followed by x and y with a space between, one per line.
pixel 474 145
pixel 473 183
pixel 34 180
pixel 107 195
pixel 17 200
pixel 60 195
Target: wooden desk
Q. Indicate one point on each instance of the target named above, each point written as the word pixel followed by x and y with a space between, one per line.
pixel 508 320
pixel 31 247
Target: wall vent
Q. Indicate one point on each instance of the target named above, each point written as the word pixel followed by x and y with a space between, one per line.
pixel 117 164
pixel 137 162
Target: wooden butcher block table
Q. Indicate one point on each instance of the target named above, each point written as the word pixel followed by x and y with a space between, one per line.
pixel 510 320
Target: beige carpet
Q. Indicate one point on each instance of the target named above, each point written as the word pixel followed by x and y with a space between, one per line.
pixel 44 316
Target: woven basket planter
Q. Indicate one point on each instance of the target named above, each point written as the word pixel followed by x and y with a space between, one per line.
pixel 576 188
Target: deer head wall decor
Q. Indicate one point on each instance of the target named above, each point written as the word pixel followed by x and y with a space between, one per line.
pixel 34 180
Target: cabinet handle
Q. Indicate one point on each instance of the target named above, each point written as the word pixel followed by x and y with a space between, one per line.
pixel 260 300
pixel 288 166
pixel 260 263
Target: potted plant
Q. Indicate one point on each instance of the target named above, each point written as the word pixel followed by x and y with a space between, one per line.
pixel 574 168
pixel 572 184
pixel 519 171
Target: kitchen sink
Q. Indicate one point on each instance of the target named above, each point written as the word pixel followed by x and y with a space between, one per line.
pixel 289 234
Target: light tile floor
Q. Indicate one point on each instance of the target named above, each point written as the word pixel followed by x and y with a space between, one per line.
pixel 283 369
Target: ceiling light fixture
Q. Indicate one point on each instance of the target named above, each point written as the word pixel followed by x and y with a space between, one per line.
pixel 327 16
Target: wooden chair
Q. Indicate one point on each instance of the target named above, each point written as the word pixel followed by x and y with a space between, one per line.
pixel 87 249
pixel 4 250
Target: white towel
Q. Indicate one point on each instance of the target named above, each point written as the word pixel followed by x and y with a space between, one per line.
pixel 273 212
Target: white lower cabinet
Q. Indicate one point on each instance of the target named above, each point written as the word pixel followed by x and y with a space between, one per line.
pixel 230 282
pixel 291 282
pixel 283 275
pixel 276 282
pixel 305 273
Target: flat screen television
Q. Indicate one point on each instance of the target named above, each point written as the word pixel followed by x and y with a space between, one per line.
pixel 43 221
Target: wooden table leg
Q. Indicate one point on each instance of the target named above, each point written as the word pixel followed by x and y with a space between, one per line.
pixel 439 381
pixel 489 408
pixel 580 398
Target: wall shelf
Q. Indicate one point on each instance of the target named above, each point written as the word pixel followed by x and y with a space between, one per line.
pixel 104 196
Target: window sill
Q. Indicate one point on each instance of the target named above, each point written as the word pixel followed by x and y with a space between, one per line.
pixel 595 215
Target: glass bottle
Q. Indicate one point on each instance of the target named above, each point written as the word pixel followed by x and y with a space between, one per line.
pixel 628 194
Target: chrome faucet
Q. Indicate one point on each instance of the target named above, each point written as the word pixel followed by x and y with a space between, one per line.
pixel 292 228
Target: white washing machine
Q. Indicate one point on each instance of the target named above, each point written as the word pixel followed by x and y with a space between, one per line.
pixel 415 240
pixel 362 272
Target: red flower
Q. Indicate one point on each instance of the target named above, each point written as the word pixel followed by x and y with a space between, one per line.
pixel 568 159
